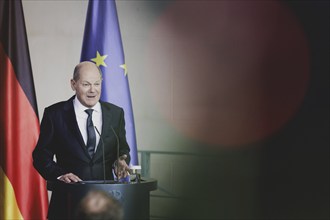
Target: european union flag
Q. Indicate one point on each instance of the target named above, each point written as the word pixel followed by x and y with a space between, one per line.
pixel 102 44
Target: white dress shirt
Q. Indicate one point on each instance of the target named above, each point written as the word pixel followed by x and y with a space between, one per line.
pixel 81 117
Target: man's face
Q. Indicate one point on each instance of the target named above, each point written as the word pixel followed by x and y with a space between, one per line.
pixel 88 86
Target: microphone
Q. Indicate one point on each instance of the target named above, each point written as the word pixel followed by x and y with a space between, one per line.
pixel 117 139
pixel 102 152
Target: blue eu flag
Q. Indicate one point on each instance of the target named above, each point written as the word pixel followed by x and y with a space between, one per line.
pixel 102 44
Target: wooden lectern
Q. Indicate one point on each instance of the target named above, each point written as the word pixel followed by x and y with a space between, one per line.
pixel 133 196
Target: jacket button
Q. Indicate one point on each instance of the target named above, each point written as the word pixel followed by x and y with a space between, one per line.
pixel 91 163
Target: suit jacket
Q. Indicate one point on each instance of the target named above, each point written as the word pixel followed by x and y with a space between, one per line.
pixel 60 136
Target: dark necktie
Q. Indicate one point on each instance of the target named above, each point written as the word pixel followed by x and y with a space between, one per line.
pixel 91 136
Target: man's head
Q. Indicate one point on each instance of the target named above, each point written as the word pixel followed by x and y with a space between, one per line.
pixel 86 82
pixel 98 204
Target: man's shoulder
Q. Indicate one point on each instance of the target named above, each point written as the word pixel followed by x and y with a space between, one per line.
pixel 110 106
pixel 59 105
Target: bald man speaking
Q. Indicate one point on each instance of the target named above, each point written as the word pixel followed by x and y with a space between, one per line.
pixel 75 130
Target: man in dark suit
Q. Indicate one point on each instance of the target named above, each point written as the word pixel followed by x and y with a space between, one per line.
pixel 77 131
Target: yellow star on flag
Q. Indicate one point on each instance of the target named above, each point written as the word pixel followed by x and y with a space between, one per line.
pixel 99 60
pixel 125 68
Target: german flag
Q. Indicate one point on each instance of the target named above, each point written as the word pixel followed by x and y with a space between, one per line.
pixel 23 193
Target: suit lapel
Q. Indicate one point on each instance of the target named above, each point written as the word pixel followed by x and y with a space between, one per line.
pixel 106 130
pixel 73 126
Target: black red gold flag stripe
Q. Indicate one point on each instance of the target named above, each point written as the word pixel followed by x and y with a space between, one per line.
pixel 23 192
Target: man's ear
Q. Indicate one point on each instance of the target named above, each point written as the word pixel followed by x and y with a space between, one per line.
pixel 73 83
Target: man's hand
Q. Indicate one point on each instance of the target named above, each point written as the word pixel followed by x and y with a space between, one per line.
pixel 121 168
pixel 69 177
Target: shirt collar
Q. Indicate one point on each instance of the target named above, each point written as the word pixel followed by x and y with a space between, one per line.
pixel 81 108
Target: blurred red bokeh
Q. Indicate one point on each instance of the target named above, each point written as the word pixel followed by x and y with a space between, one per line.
pixel 227 73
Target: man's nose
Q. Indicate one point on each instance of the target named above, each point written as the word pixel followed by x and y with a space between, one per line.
pixel 92 88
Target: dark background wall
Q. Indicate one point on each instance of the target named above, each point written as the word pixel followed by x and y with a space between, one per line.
pixel 295 162
pixel 284 174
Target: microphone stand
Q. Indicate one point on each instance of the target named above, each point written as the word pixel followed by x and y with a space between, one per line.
pixel 117 139
pixel 103 153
